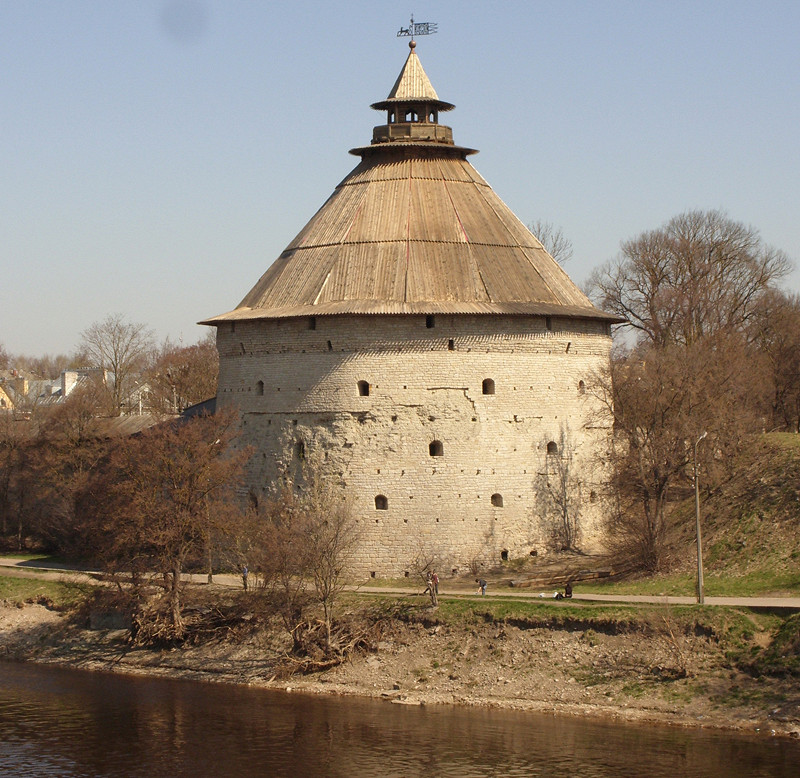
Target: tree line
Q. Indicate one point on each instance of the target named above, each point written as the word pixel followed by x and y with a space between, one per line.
pixel 133 372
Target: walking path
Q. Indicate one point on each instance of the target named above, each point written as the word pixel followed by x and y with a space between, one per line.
pixel 42 569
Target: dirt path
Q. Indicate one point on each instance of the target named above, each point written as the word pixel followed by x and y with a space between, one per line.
pixel 50 571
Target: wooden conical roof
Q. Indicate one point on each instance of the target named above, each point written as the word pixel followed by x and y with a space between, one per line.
pixel 413 229
pixel 412 85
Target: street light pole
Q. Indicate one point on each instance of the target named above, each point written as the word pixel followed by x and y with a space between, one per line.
pixel 700 596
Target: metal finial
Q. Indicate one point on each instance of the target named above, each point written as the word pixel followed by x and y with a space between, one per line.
pixel 417 28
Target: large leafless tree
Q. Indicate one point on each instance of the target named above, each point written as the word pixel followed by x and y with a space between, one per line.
pixel 699 274
pixel 122 348
pixel 694 291
pixel 168 488
pixel 662 400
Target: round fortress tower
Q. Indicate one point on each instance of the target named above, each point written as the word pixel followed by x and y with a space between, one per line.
pixel 420 335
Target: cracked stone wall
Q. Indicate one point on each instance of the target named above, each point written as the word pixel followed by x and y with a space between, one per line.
pixel 436 461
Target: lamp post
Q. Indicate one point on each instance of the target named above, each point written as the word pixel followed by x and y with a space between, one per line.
pixel 700 596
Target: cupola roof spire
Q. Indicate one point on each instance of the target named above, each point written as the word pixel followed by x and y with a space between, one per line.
pixel 412 85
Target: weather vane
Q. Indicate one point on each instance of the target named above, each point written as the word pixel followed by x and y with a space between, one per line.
pixel 417 28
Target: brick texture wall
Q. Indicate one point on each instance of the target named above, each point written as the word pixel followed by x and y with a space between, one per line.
pixel 401 408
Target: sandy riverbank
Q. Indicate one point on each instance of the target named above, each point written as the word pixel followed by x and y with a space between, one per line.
pixel 630 676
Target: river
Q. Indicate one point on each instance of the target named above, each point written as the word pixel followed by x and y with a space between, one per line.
pixel 61 722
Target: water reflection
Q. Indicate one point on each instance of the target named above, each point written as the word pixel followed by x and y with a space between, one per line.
pixel 62 722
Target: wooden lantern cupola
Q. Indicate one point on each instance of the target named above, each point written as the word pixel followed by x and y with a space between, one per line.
pixel 412 109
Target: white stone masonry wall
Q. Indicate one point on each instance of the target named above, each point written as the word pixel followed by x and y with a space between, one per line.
pixel 298 381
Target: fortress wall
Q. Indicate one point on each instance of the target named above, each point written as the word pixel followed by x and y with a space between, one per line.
pixel 424 388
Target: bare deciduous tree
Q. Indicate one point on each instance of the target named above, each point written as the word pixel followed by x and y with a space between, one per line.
pixel 700 274
pixel 46 366
pixel 560 494
pixel 121 347
pixel 169 488
pixel 332 537
pixel 308 540
pixel 282 558
pixel 775 333
pixel 68 449
pixel 180 376
pixel 662 399
pixel 15 446
pixel 558 245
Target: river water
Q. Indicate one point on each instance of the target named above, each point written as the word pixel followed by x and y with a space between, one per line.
pixel 62 722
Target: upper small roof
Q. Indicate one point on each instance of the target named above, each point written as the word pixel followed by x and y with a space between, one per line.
pixel 412 85
pixel 413 229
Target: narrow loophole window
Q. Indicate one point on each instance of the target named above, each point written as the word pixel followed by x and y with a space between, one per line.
pixel 381 503
pixel 581 387
pixel 497 500
pixel 260 388
pixel 363 388
pixel 488 386
pixel 436 448
pixel 552 447
pixel 429 322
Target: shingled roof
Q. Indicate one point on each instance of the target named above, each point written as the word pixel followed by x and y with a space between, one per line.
pixel 413 229
pixel 412 84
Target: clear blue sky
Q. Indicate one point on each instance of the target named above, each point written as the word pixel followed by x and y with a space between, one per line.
pixel 159 154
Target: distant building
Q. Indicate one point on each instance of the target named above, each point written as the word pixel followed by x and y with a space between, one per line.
pixel 419 334
pixel 24 391
pixel 6 400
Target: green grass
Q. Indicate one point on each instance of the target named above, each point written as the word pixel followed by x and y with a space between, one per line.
pixel 752 584
pixel 784 439
pixel 62 594
pixel 472 610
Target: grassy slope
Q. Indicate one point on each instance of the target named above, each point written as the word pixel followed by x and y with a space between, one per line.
pixel 60 594
pixel 751 530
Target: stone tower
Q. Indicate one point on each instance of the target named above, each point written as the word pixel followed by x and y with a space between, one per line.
pixel 420 335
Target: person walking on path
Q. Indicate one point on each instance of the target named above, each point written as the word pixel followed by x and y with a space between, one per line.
pixel 482 586
pixel 244 577
pixel 432 587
